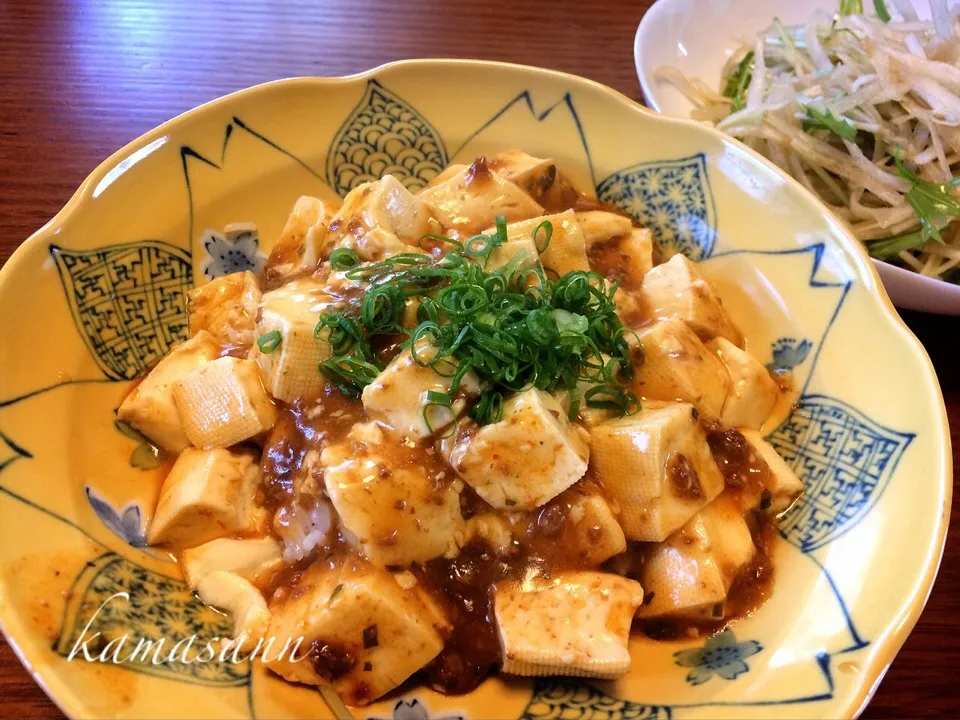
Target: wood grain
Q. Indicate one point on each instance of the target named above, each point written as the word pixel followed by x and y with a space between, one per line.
pixel 80 79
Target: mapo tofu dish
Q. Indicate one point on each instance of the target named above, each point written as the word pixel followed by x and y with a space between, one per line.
pixel 486 427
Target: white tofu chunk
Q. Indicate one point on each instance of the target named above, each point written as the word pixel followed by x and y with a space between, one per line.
pixel 223 403
pixel 207 494
pixel 534 175
pixel 752 394
pixel 448 172
pixel 678 366
pixel 253 559
pixel 292 369
pixel 490 528
pixel 676 289
pixel 532 455
pixel 238 597
pixel 226 307
pixel 577 624
pixel 599 226
pixel 302 242
pixel 150 406
pixel 520 253
pixel 689 575
pixel 473 198
pixel 782 484
pixel 626 258
pixel 657 466
pixel 399 394
pixel 363 633
pixel 379 219
pixel 594 525
pixel 400 511
pixel 565 252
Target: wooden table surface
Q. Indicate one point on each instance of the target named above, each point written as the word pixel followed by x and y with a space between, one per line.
pixel 81 78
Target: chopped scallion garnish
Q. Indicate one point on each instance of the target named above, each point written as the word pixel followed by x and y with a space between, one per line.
pixel 268 342
pixel 513 327
pixel 343 259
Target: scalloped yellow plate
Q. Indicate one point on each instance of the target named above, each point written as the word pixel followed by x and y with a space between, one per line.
pixel 98 294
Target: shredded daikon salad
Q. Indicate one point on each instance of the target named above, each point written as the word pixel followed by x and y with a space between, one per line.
pixel 864 110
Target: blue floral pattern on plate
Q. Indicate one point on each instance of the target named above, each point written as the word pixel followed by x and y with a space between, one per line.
pixel 126 523
pixel 788 353
pixel 114 600
pixel 384 135
pixel 845 460
pixel 721 655
pixel 414 709
pixel 129 302
pixel 236 249
pixel 671 197
pixel 555 698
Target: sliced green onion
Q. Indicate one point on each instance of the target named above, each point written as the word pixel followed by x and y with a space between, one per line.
pixel 547 227
pixel 851 7
pixel 343 259
pixel 268 342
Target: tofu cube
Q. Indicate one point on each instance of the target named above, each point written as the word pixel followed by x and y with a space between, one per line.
pixel 242 601
pixel 150 406
pixel 302 242
pixel 566 251
pixel 532 455
pixel 473 198
pixel 292 369
pixel 400 511
pixel 253 559
pixel 207 494
pixel 657 466
pixel 599 226
pixel 520 253
pixel 448 172
pixel 592 533
pixel 576 624
pixel 379 219
pixel 689 575
pixel 753 392
pixel 676 289
pixel 362 633
pixel 532 174
pixel 489 528
pixel 223 403
pixel 626 258
pixel 226 307
pixel 781 483
pixel 678 366
pixel 398 396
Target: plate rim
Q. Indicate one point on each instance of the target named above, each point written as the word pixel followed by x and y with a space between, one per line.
pixel 897 629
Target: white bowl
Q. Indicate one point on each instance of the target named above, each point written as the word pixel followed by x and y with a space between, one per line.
pixel 696 37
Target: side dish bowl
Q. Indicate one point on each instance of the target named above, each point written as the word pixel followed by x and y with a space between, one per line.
pixel 96 296
pixel 697 37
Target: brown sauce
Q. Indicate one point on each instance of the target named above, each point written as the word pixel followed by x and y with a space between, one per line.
pixel 545 539
pixel 465 586
pixel 744 471
pixel 609 259
pixel 299 429
pixel 750 589
pixel 682 477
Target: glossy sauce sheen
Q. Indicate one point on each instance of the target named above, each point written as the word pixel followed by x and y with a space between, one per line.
pixel 744 473
pixel 545 542
pixel 544 539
